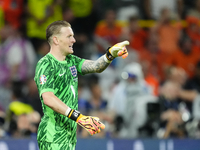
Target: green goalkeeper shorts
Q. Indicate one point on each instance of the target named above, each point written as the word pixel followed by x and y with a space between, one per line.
pixel 53 146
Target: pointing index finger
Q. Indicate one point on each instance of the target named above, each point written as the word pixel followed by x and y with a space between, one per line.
pixel 124 43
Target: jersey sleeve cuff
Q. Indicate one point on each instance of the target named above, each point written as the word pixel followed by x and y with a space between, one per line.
pixel 46 90
pixel 80 66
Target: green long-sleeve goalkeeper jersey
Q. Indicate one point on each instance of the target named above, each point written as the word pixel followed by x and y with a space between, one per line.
pixel 59 77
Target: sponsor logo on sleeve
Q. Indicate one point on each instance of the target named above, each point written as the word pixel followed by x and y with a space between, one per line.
pixel 43 79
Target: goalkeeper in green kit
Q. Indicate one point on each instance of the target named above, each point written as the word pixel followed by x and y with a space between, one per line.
pixel 56 77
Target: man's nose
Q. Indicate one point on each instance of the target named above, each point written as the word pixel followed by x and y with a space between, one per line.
pixel 73 40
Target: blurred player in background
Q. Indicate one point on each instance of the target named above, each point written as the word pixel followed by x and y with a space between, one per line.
pixel 56 77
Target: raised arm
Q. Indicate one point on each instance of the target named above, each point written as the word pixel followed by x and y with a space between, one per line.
pixel 90 66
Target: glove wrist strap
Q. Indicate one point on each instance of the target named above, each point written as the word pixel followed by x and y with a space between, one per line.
pixel 106 59
pixel 74 114
pixel 109 56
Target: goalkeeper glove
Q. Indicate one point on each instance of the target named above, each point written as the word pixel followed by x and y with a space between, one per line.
pixel 91 124
pixel 117 50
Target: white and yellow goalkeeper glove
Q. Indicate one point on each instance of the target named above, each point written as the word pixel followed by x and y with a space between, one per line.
pixel 91 124
pixel 117 50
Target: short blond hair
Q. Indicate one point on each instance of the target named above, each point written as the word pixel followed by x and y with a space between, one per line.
pixel 54 28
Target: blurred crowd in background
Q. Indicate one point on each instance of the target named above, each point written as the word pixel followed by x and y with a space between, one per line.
pixel 153 93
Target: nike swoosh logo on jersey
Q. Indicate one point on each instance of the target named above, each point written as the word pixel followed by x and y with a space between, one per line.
pixel 61 74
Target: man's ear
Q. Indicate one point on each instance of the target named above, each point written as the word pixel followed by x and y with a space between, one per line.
pixel 55 40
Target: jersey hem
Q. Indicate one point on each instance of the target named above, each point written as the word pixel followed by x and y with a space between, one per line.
pixel 71 142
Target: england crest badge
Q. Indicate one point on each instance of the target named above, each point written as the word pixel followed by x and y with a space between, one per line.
pixel 73 71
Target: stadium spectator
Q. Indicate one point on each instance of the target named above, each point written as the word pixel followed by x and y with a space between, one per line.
pixel 68 15
pixel 190 91
pixel 16 123
pixel 167 33
pixel 192 30
pixel 37 21
pixel 135 34
pixel 180 102
pixel 81 8
pixel 176 74
pixel 124 100
pixel 108 31
pixel 13 11
pixel 17 56
pixel 96 106
pixel 24 125
pixel 21 119
pixel 186 57
pixel 188 95
pixel 152 61
pixel 170 115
